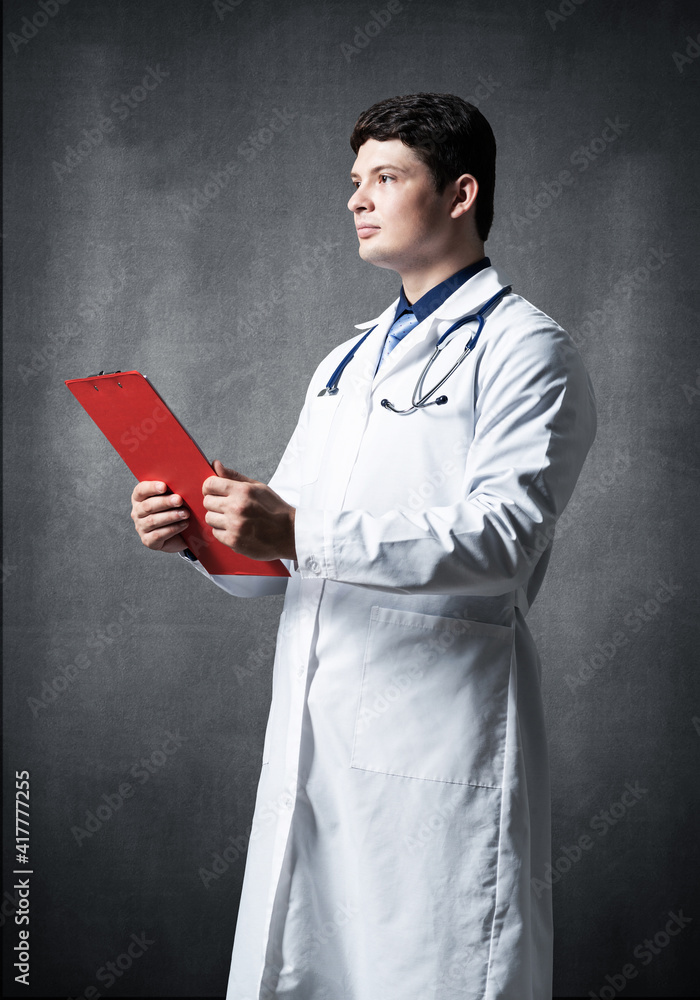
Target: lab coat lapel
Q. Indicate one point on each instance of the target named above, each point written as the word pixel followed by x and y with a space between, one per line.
pixel 365 362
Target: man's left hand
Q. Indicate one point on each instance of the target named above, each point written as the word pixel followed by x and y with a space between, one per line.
pixel 248 516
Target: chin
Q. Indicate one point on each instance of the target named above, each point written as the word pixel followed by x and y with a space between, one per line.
pixel 374 255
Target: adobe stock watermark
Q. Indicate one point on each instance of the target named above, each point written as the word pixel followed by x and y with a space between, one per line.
pixel 30 27
pixel 248 150
pixel 236 847
pixel 691 391
pixel 133 438
pixel 97 640
pixel 259 657
pixel 600 824
pixel 586 492
pixel 584 156
pixel 378 21
pixel 459 974
pixel 221 861
pixel 634 621
pixel 224 7
pixel 108 974
pixel 562 14
pixel 343 913
pixel 644 952
pixel 420 495
pixel 111 802
pixel 91 308
pixel 485 88
pixel 309 260
pixel 434 823
pixel 90 496
pixel 9 906
pixel 626 285
pixel 425 651
pixel 122 107
pixel 268 982
pixel 401 681
pixel 7 570
pixel 216 183
pixel 687 58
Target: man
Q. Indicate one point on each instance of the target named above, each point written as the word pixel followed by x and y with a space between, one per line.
pixel 403 805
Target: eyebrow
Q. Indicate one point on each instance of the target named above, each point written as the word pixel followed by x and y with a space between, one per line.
pixel 381 169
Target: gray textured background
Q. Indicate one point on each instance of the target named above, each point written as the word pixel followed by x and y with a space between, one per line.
pixel 227 294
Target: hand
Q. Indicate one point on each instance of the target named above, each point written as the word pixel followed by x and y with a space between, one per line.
pixel 248 516
pixel 159 517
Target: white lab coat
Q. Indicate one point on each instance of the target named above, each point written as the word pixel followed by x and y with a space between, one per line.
pixel 403 803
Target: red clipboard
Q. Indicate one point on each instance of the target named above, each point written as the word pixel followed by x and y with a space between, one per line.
pixel 154 444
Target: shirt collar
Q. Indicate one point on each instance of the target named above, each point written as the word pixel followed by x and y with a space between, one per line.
pixel 435 297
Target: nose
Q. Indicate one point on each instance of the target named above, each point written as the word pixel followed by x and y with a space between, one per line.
pixel 358 200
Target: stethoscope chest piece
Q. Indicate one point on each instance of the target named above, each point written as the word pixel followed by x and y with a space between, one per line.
pixel 420 399
pixel 387 405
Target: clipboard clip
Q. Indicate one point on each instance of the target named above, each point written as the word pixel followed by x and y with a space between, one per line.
pixel 117 372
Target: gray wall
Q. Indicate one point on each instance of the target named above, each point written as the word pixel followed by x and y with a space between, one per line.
pixel 227 294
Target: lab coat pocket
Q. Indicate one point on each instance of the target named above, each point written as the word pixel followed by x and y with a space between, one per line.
pixel 317 436
pixel 434 698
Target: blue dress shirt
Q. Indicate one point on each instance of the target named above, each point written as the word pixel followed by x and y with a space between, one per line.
pixel 429 302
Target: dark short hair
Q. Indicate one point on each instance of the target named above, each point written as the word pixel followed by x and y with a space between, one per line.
pixel 451 137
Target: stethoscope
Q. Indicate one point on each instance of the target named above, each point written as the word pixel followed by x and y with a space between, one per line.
pixel 416 399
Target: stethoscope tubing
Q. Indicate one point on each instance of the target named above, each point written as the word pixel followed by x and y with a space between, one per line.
pixel 418 401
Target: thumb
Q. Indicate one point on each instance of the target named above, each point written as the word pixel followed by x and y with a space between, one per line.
pixel 224 473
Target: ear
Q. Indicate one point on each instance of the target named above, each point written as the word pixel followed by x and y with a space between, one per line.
pixel 465 190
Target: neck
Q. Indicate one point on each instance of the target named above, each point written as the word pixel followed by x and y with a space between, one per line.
pixel 417 282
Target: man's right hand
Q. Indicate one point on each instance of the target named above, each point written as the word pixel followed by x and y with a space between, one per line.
pixel 159 517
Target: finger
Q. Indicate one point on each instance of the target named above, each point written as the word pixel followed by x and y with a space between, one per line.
pixel 225 537
pixel 221 470
pixel 173 529
pixel 175 544
pixel 147 489
pixel 154 522
pixel 216 486
pixel 154 539
pixel 220 535
pixel 215 520
pixel 213 502
pixel 154 504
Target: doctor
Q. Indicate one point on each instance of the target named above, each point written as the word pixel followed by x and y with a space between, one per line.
pixel 403 804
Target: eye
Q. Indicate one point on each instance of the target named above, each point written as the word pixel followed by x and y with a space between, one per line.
pixel 387 177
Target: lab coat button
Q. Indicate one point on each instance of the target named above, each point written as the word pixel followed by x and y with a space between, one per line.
pixel 312 564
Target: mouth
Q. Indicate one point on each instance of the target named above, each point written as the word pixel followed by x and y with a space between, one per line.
pixel 365 229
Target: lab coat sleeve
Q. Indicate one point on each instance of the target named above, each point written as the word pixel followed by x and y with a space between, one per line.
pixel 245 586
pixel 535 420
pixel 285 483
